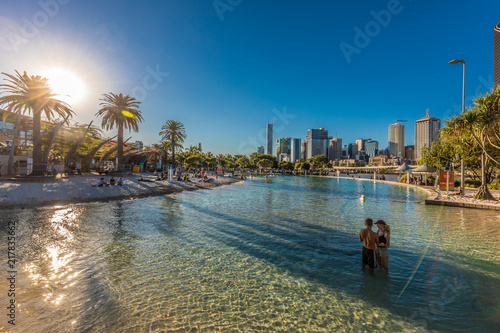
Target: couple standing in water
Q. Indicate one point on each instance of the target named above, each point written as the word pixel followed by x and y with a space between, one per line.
pixel 382 238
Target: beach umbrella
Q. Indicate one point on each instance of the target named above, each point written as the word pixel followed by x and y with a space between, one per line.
pixel 424 168
pixel 403 167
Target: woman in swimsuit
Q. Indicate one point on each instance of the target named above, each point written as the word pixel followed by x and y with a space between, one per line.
pixel 382 251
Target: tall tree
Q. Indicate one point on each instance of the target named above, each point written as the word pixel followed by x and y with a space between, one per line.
pixel 121 111
pixel 173 134
pixel 33 95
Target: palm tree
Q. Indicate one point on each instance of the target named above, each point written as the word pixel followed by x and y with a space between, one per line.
pixel 32 94
pixel 173 134
pixel 122 111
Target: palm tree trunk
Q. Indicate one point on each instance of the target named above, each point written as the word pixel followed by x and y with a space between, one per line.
pixel 53 136
pixel 483 192
pixel 10 163
pixel 120 145
pixel 78 144
pixel 88 158
pixel 37 143
pixel 173 154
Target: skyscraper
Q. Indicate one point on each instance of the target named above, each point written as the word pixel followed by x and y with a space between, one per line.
pixel 283 146
pixel 260 149
pixel 269 139
pixel 317 142
pixel 295 150
pixel 397 140
pixel 335 149
pixel 371 148
pixel 359 142
pixel 426 132
pixel 496 56
pixel 352 150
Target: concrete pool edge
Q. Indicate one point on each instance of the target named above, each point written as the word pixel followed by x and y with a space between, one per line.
pixel 433 195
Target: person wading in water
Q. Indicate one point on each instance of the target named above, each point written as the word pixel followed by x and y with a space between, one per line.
pixel 369 239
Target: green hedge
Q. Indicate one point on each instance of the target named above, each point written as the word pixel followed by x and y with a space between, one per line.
pixel 494 185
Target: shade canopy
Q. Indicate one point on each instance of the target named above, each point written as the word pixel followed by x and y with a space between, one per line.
pixel 403 167
pixel 424 168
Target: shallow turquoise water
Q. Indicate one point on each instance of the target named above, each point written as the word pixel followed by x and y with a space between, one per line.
pixel 262 256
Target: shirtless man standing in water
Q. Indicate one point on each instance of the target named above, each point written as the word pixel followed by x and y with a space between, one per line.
pixel 369 239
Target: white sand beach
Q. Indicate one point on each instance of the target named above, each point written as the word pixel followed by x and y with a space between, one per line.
pixel 75 189
pixel 468 197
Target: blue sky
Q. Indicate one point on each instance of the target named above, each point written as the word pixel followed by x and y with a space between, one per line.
pixel 225 68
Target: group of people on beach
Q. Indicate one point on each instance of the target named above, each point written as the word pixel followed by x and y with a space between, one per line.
pixel 111 182
pixel 375 256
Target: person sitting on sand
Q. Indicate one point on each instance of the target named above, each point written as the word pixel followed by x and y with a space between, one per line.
pixel 458 192
pixel 112 181
pixel 102 183
pixel 120 181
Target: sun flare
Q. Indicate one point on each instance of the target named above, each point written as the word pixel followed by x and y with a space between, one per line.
pixel 67 85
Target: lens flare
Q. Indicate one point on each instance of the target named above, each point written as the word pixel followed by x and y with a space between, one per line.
pixel 423 255
pixel 128 114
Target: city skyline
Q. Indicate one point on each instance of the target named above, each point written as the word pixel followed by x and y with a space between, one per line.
pixel 351 68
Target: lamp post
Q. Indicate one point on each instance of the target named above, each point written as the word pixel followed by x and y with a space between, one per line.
pixel 462 164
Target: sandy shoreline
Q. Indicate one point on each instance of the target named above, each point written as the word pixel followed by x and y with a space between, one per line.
pixel 79 189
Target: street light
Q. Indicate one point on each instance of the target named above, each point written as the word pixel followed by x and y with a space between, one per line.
pixel 462 164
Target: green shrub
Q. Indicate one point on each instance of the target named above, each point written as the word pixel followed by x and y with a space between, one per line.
pixel 494 185
pixel 472 183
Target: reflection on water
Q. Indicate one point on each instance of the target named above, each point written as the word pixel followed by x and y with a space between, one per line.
pixel 281 255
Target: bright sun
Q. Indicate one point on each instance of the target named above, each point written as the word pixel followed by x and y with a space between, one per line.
pixel 66 84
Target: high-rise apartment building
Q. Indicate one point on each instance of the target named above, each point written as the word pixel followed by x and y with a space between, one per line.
pixel 496 56
pixel 295 148
pixel 317 142
pixel 426 132
pixel 371 148
pixel 335 149
pixel 397 140
pixel 269 139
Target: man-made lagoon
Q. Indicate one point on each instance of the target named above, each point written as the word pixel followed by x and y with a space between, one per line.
pixel 260 256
